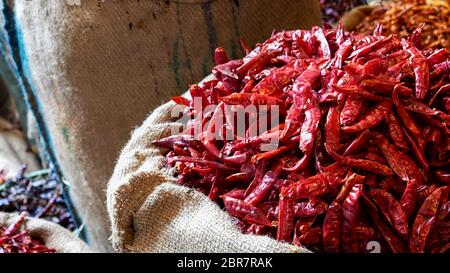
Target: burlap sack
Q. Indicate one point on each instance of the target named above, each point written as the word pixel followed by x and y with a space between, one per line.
pixel 97 68
pixel 355 16
pixel 149 213
pixel 52 235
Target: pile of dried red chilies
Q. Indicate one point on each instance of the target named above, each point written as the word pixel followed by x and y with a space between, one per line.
pixel 13 240
pixel 364 143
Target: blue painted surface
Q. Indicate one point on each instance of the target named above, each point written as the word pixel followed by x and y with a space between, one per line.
pixel 21 72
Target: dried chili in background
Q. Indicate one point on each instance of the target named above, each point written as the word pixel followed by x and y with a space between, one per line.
pixel 15 239
pixel 363 141
pixel 332 10
pixel 404 16
pixel 39 194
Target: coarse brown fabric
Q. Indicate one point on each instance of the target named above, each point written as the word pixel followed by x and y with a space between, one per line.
pixel 355 16
pixel 52 235
pixel 98 68
pixel 150 213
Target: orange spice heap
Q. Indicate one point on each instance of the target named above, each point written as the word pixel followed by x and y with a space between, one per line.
pixel 404 16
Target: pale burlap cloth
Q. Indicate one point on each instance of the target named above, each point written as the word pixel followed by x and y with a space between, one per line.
pixel 52 235
pixel 355 16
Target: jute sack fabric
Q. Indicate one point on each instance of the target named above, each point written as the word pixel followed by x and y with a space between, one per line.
pixel 355 16
pixel 98 67
pixel 52 235
pixel 149 213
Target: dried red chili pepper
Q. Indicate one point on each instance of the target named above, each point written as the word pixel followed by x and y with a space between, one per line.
pixel 442 90
pixel 376 157
pixel 443 212
pixel 277 80
pixel 418 153
pixel 200 161
pixel 311 109
pixel 402 165
pixel 391 210
pixel 367 165
pixel 350 214
pixel 357 143
pixel 419 107
pixel 358 91
pixel 13 240
pixel 257 62
pixel 257 230
pixel 259 172
pixel 311 208
pixel 271 154
pixel 304 224
pixel 395 131
pixel 311 237
pixel 241 209
pixel 426 218
pixel 263 189
pixel 420 67
pixel 409 198
pixel 181 100
pixel 311 187
pixel 424 191
pixel 352 110
pixel 220 56
pixel 372 46
pixel 372 118
pixel 405 117
pixel 332 128
pixel 332 228
pixel 342 53
pixel 438 56
pixel 394 243
pixel 442 176
pixel 364 232
pixel 324 47
pixel 286 212
pixel 338 136
pixel 236 194
pixel 349 183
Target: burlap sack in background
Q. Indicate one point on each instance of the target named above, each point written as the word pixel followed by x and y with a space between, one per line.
pixel 98 68
pixel 52 235
pixel 355 16
pixel 150 213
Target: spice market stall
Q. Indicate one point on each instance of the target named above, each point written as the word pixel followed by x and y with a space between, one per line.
pixel 299 132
